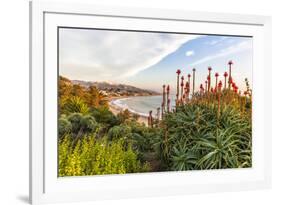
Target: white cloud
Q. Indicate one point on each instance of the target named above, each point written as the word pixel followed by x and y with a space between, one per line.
pixel 109 55
pixel 189 53
pixel 215 42
pixel 243 46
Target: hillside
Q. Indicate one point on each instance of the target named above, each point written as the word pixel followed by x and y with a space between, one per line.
pixel 115 90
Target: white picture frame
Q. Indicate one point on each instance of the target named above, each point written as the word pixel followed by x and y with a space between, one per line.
pixel 46 187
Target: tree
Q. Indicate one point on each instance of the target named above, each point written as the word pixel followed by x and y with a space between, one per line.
pixel 74 105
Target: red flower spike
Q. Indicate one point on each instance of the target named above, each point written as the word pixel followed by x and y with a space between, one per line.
pixel 217 75
pixel 168 88
pixel 220 84
pixel 230 62
pixel 182 78
pixel 189 75
pixel 208 78
pixel 209 68
pixel 178 72
pixel 225 74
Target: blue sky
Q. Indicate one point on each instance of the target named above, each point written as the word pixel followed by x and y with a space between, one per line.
pixel 149 60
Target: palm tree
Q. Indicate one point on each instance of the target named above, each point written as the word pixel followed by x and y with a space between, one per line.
pixel 75 105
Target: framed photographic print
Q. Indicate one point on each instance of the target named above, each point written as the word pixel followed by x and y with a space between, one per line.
pixel 129 102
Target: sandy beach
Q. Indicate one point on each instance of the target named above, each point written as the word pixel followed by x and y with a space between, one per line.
pixel 116 109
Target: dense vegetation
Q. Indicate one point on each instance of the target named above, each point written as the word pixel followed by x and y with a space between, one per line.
pixel 94 141
pixel 211 131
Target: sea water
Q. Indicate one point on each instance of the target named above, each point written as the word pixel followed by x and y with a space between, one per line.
pixel 142 104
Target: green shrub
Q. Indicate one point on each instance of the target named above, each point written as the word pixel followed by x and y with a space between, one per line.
pixel 65 126
pixel 74 104
pixel 124 115
pixel 82 124
pixel 197 138
pixel 122 131
pixel 90 156
pixel 105 116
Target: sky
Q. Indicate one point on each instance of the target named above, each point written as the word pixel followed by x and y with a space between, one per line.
pixel 149 60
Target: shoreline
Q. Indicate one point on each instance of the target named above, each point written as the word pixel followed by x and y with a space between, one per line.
pixel 115 109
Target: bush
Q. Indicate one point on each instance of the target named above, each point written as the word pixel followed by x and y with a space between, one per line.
pixel 74 105
pixel 65 126
pixel 122 131
pixel 82 124
pixel 197 138
pixel 123 115
pixel 90 156
pixel 105 116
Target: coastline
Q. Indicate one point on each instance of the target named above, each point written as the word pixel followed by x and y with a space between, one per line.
pixel 115 109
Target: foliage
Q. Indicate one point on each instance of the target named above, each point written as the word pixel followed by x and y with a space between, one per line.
pixel 82 124
pixel 199 139
pixel 124 115
pixel 122 131
pixel 212 130
pixel 95 98
pixel 74 105
pixel 65 127
pixel 103 115
pixel 90 96
pixel 89 156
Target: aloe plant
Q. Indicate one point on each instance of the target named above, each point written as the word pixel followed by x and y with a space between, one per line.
pixel 200 139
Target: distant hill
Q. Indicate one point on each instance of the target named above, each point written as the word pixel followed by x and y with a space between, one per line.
pixel 116 90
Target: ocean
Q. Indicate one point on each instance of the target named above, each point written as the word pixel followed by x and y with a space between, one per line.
pixel 141 105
